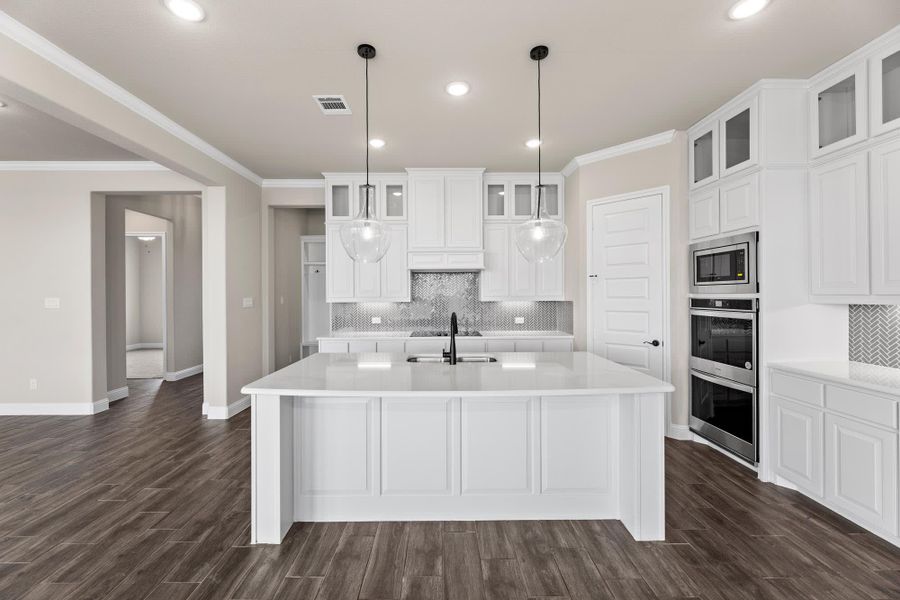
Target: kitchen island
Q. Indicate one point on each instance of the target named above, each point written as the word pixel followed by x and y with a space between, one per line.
pixel 374 437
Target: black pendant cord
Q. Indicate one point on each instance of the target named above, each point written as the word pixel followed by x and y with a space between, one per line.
pixel 367 138
pixel 540 190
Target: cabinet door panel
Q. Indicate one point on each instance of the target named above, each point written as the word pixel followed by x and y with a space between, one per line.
pixel 885 79
pixel 861 471
pixel 417 449
pixel 885 200
pixel 340 271
pixel 572 428
pixel 496 445
pixel 549 278
pixel 839 228
pixel 704 214
pixel 799 448
pixel 426 213
pixel 463 211
pixel 837 107
pixel 368 280
pixel 738 134
pixel 703 156
pixel 394 268
pixel 739 204
pixel 335 446
pixel 521 280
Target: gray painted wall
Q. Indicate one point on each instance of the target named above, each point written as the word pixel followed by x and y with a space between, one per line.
pixel 143 291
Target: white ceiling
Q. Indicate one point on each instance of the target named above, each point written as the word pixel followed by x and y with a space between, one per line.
pixel 618 70
pixel 27 134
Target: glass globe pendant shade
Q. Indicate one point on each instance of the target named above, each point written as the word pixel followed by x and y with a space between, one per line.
pixel 365 238
pixel 540 238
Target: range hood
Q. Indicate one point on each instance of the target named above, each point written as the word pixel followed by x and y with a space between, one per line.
pixel 446 261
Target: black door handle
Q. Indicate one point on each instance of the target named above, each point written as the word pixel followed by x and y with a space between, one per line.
pixel 654 343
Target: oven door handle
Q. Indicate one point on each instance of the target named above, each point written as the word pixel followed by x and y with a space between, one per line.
pixel 746 316
pixel 723 382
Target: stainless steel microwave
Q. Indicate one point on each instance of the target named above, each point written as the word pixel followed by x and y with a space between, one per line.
pixel 725 265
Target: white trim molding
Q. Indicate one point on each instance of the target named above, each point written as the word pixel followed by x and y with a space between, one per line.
pixel 222 413
pixel 117 394
pixel 659 139
pixel 293 183
pixel 52 53
pixel 54 408
pixel 82 165
pixel 679 432
pixel 184 373
pixel 144 346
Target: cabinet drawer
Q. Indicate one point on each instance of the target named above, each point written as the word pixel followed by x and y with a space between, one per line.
pixel 392 346
pixel 529 346
pixel 474 260
pixel 426 346
pixel 501 346
pixel 334 347
pixel 866 407
pixel 557 345
pixel 427 261
pixel 795 388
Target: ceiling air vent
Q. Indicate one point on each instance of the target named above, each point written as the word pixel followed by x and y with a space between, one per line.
pixel 333 104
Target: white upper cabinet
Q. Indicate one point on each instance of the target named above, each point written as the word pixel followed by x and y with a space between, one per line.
pixel 704 213
pixel 426 212
pixel 738 149
pixel 522 200
pixel 885 207
pixel 496 205
pixel 339 200
pixel 350 281
pixel 394 268
pixel 704 155
pixel 339 272
pixel 548 281
pixel 739 204
pixel 462 212
pixel 495 277
pixel 445 210
pixel 839 227
pixel 837 108
pixel 884 74
pixel 392 193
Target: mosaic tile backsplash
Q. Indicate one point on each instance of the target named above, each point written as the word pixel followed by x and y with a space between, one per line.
pixel 875 334
pixel 436 295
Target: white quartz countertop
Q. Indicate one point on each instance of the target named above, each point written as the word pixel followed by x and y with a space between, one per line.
pixel 884 380
pixel 393 335
pixel 514 374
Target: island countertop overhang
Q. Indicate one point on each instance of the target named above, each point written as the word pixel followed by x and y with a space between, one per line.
pixel 514 374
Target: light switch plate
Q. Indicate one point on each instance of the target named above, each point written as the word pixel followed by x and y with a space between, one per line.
pixel 52 303
pixel 247 303
pixel 520 320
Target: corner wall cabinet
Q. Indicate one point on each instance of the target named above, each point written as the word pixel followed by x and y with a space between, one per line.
pixel 839 445
pixel 725 144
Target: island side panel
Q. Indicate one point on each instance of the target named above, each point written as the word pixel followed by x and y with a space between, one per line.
pixel 272 468
pixel 642 465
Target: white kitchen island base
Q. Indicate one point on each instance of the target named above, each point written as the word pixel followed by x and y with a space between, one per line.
pixel 461 444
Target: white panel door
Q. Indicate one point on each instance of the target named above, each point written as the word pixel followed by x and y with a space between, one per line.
pixel 336 446
pixel 521 272
pixel 426 213
pixel 463 210
pixel 885 201
pixel 571 429
pixel 861 471
pixel 417 449
pixel 626 283
pixel 340 278
pixel 497 443
pixel 799 447
pixel 739 204
pixel 395 268
pixel 495 277
pixel 548 283
pixel 704 213
pixel 839 227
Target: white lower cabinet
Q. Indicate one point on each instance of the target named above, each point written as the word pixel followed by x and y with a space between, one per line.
pixel 470 345
pixel 497 445
pixel 418 453
pixel 797 437
pixel 861 471
pixel 842 452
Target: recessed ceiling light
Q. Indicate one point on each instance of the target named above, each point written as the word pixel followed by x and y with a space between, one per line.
pixel 186 9
pixel 746 8
pixel 376 143
pixel 533 143
pixel 457 88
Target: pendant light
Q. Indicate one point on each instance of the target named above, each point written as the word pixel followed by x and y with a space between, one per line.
pixel 365 238
pixel 540 238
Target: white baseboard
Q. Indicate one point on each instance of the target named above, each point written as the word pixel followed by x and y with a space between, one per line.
pixel 679 432
pixel 189 372
pixel 144 346
pixel 53 408
pixel 221 413
pixel 117 394
pixel 204 409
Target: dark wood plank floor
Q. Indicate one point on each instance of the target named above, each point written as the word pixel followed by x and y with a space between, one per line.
pixel 150 501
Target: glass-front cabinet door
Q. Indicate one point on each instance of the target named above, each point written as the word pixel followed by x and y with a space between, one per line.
pixel 885 101
pixel 704 156
pixel 522 206
pixel 552 200
pixel 737 132
pixel 394 195
pixel 837 107
pixel 361 198
pixel 495 205
pixel 339 200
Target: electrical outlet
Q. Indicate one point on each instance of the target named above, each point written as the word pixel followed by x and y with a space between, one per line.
pixel 247 303
pixel 376 320
pixel 32 384
pixel 520 320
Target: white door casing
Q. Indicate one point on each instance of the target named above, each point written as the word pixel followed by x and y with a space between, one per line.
pixel 627 284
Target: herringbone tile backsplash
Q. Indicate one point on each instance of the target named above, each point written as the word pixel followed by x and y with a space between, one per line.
pixel 875 335
pixel 436 295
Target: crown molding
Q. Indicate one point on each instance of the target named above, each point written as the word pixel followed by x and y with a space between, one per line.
pixel 659 139
pixel 52 53
pixel 293 183
pixel 81 165
pixel 889 37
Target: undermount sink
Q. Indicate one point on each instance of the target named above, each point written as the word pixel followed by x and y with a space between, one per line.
pixel 462 358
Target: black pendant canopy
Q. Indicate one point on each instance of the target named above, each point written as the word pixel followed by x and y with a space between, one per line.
pixel 367 51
